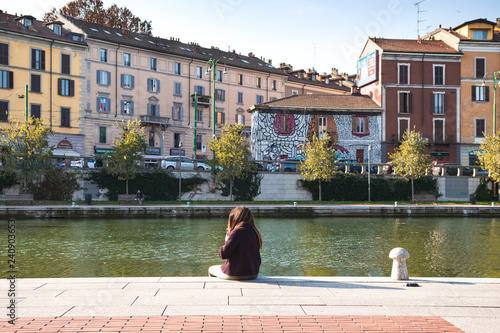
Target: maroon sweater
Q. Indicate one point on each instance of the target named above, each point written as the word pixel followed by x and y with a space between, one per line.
pixel 242 251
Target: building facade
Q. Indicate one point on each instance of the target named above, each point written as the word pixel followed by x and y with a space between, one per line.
pixel 49 60
pixel 480 45
pixel 417 83
pixel 137 76
pixel 280 128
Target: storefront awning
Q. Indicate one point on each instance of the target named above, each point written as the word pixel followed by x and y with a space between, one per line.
pixel 65 153
pixel 439 153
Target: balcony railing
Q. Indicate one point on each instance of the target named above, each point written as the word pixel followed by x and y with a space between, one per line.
pixel 202 100
pixel 145 120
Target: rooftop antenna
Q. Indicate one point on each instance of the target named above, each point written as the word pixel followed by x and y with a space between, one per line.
pixel 314 60
pixel 418 16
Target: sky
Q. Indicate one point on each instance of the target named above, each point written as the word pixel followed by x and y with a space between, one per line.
pixel 319 34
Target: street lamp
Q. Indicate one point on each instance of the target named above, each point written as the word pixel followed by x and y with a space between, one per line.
pixel 495 75
pixel 212 67
pixel 180 170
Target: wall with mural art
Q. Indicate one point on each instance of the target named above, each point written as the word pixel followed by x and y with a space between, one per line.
pixel 279 136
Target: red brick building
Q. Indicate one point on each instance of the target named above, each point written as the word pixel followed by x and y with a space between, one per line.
pixel 417 83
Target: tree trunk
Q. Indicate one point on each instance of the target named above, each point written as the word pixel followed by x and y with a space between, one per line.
pixel 126 186
pixel 231 188
pixel 25 186
pixel 320 190
pixel 412 190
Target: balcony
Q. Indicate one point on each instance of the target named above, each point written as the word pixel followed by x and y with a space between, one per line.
pixel 154 120
pixel 202 100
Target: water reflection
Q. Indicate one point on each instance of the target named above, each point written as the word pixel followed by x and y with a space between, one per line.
pixel 337 246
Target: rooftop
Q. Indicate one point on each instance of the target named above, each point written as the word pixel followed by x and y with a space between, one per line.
pixel 414 46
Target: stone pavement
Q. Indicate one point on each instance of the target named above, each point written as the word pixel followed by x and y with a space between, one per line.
pixel 268 304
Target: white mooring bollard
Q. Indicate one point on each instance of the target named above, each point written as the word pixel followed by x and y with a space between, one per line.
pixel 399 270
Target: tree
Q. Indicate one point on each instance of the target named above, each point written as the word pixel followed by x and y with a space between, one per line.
pixel 319 163
pixel 231 155
pixel 409 159
pixel 489 157
pixel 129 148
pixel 93 11
pixel 26 151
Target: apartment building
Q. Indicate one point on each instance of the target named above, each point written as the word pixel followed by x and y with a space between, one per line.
pixel 479 41
pixel 417 83
pixel 49 60
pixel 137 76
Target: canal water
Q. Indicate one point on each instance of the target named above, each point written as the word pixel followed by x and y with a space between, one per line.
pixel 334 246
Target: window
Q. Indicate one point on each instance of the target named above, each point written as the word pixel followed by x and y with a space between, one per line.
pixel 36 111
pixel 65 87
pixel 438 106
pixel 199 115
pixel 65 64
pixel 151 139
pixel 438 75
pixel 177 140
pixel 240 79
pixel 284 124
pixel 37 59
pixel 220 117
pixel 295 92
pixel 199 72
pixel 178 68
pixel 322 127
pixel 274 85
pixel 65 120
pixel 404 102
pixel 479 34
pixel 153 63
pixel 219 76
pixel 240 119
pixel 153 110
pixel 480 93
pixel 220 95
pixel 360 126
pixel 36 83
pixel 127 107
pixel 200 90
pixel 480 128
pixel 259 82
pixel 153 85
pixel 199 141
pixel 404 75
pixel 103 137
pixel 240 97
pixel 259 99
pixel 103 77
pixel 272 98
pixel 127 81
pixel 57 29
pixel 4 111
pixel 104 55
pixel 439 130
pixel 403 126
pixel 103 104
pixel 4 54
pixel 177 112
pixel 126 59
pixel 480 67
pixel 178 88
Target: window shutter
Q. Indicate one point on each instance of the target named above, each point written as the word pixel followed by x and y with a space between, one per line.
pixel 72 87
pixel 108 74
pixel 33 58
pixel 122 80
pixel 473 93
pixel 149 109
pixel 98 77
pixel 354 125
pixel 97 104
pixel 131 107
pixel 445 103
pixel 122 103
pixel 108 104
pixel 11 80
pixel 150 84
pixel 223 117
pixel 433 98
pixel 157 85
pixel 42 60
pixel 486 93
pixel 410 102
pixel 59 86
pixel 157 112
pixel 132 81
pixel 203 90
pixel 367 125
pixel 181 117
pixel 173 112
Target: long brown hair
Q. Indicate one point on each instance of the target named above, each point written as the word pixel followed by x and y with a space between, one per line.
pixel 242 214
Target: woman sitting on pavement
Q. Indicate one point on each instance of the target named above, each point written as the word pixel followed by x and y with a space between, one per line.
pixel 241 248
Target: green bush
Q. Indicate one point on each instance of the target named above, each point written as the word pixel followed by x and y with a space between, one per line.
pixel 245 188
pixel 7 179
pixel 56 185
pixel 483 193
pixel 157 185
pixel 350 187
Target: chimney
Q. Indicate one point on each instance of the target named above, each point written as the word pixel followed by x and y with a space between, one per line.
pixel 251 55
pixel 498 22
pixel 270 61
pixel 335 71
pixel 354 90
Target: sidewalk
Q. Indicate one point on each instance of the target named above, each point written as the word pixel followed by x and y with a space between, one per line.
pixel 268 304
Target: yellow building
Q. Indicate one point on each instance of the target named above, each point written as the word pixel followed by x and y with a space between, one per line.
pixel 480 44
pixel 48 61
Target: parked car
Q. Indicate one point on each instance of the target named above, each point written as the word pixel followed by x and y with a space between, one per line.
pixel 451 168
pixel 356 168
pixel 77 163
pixel 94 163
pixel 170 163
pixel 257 166
pixel 387 169
pixel 291 164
